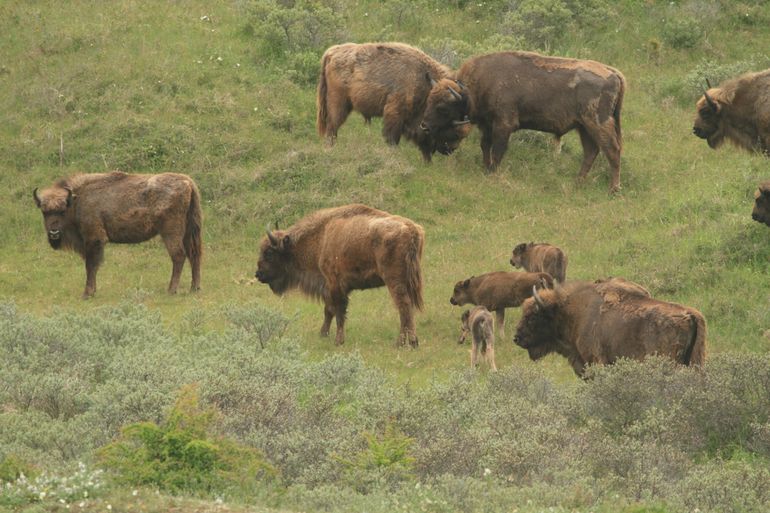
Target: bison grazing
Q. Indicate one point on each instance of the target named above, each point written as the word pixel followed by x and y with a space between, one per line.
pixel 85 211
pixel 336 250
pixel 541 257
pixel 738 110
pixel 497 291
pixel 597 323
pixel 761 212
pixel 478 322
pixel 507 91
pixel 388 80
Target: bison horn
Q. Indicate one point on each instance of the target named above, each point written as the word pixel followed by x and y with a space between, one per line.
pixel 708 84
pixel 69 197
pixel 537 297
pixel 37 198
pixel 710 101
pixel 464 121
pixel 273 238
pixel 455 93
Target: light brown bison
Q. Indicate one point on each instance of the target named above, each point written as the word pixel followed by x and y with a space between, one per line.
pixel 761 212
pixel 497 291
pixel 334 251
pixel 478 322
pixel 540 257
pixel 597 323
pixel 388 80
pixel 738 110
pixel 85 211
pixel 507 91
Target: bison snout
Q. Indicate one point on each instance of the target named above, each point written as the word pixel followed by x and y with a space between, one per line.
pixel 452 301
pixel 699 132
pixel 54 234
pixel 261 276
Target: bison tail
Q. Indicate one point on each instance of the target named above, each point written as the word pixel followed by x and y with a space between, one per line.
pixel 695 354
pixel 193 244
pixel 618 107
pixel 322 113
pixel 413 271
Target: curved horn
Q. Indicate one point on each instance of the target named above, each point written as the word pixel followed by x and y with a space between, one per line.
pixel 455 93
pixel 537 297
pixel 708 83
pixel 464 121
pixel 710 101
pixel 69 196
pixel 37 198
pixel 273 239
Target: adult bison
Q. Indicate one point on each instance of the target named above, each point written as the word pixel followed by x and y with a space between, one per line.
pixel 761 212
pixel 334 251
pixel 738 110
pixel 597 323
pixel 85 211
pixel 388 80
pixel 507 91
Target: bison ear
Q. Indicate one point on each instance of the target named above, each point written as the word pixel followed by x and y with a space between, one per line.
pixel 37 198
pixel 286 243
pixel 467 282
pixel 430 79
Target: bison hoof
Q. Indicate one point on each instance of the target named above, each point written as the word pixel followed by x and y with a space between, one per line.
pixel 615 189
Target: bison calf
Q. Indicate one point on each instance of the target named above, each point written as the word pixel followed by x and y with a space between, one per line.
pixel 540 257
pixel 497 291
pixel 478 322
pixel 761 212
pixel 85 211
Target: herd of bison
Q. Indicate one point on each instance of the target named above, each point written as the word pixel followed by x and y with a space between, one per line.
pixel 333 251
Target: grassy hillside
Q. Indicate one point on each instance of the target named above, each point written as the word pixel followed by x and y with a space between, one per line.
pixel 225 92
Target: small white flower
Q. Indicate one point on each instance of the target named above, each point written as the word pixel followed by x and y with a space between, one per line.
pixel 219 59
pixel 82 504
pixel 85 494
pixel 135 493
pixel 487 471
pixel 109 507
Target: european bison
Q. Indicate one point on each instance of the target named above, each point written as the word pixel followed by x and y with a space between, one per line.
pixel 738 110
pixel 597 323
pixel 540 257
pixel 478 322
pixel 85 211
pixel 336 250
pixel 761 212
pixel 497 291
pixel 388 80
pixel 507 91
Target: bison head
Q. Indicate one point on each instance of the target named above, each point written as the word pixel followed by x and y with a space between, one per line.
pixel 447 139
pixel 537 328
pixel 761 212
pixel 708 120
pixel 446 110
pixel 517 258
pixel 55 203
pixel 275 256
pixel 461 294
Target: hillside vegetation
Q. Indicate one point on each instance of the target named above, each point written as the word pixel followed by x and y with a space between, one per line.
pixel 225 92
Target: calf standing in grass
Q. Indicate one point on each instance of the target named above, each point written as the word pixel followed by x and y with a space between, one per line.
pixel 542 258
pixel 497 291
pixel 85 211
pixel 479 323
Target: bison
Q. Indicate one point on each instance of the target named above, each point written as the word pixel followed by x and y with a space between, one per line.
pixel 388 80
pixel 334 251
pixel 738 110
pixel 761 212
pixel 540 257
pixel 507 91
pixel 597 323
pixel 497 291
pixel 85 211
pixel 478 322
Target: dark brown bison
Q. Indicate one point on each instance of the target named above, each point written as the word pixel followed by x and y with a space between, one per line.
pixel 761 212
pixel 388 80
pixel 540 257
pixel 478 322
pixel 85 211
pixel 507 91
pixel 497 291
pixel 597 323
pixel 738 110
pixel 336 250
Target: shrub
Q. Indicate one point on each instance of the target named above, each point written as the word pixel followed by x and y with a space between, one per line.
pixel 682 33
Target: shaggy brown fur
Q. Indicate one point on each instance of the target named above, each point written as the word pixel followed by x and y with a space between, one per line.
pixel 334 251
pixel 761 212
pixel 508 91
pixel 479 323
pixel 540 257
pixel 597 323
pixel 497 291
pixel 738 110
pixel 388 80
pixel 84 212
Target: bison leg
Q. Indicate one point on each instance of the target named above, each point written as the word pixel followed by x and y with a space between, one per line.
pixel 401 298
pixel 339 306
pixel 590 151
pixel 500 135
pixel 338 108
pixel 94 253
pixel 610 145
pixel 491 355
pixel 392 122
pixel 486 146
pixel 176 251
pixel 328 316
pixel 474 354
pixel 500 323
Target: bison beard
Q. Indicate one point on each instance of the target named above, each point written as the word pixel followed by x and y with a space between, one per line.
pixel 334 251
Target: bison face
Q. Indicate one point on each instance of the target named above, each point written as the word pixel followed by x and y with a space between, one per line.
pixel 461 294
pixel 761 212
pixel 446 109
pixel 708 121
pixel 517 258
pixel 274 260
pixel 537 328
pixel 447 139
pixel 55 204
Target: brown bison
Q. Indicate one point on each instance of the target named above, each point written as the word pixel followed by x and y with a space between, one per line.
pixel 336 250
pixel 85 211
pixel 497 291
pixel 507 91
pixel 388 80
pixel 478 322
pixel 761 212
pixel 738 110
pixel 541 257
pixel 597 323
